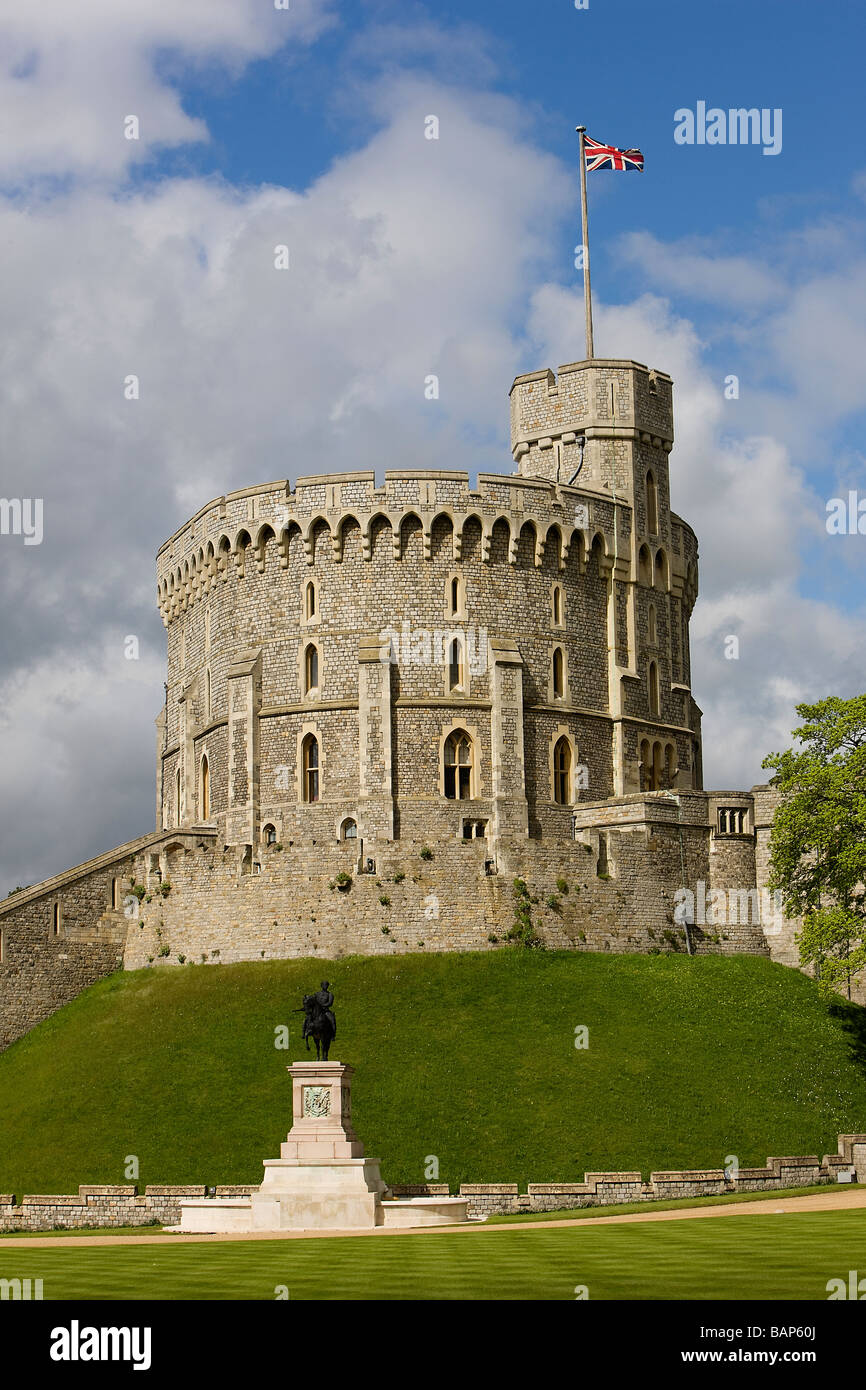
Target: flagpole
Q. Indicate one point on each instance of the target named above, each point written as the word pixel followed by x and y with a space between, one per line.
pixel 587 292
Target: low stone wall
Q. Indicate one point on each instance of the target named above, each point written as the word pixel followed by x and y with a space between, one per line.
pixel 106 1207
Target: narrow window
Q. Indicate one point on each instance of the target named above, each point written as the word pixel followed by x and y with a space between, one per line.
pixel 311 768
pixel 661 579
pixel 652 506
pixel 458 766
pixel 644 565
pixel 55 922
pixel 207 694
pixel 455 596
pixel 654 704
pixel 562 772
pixel 177 794
pixel 657 767
pixel 311 669
pixel 557 606
pixel 455 664
pixel 651 625
pixel 645 770
pixel 311 599
pixel 205 788
pixel 114 894
pixel 558 674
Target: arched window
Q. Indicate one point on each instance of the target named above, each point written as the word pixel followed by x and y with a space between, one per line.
pixel 645 767
pixel 311 669
pixel 349 829
pixel 661 579
pixel 177 793
pixel 644 565
pixel 652 505
pixel 657 767
pixel 310 599
pixel 205 788
pixel 654 702
pixel 651 625
pixel 455 596
pixel 562 772
pixel 455 664
pixel 269 834
pixel 311 768
pixel 458 766
pixel 670 764
pixel 558 673
pixel 557 605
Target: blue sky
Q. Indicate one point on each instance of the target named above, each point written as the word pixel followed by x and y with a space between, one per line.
pixel 410 256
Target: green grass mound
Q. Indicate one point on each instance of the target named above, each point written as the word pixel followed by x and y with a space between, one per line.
pixel 466 1059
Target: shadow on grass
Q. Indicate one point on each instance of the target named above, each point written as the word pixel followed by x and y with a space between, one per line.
pixel 852 1019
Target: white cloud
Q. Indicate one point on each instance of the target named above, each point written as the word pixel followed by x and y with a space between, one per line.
pixel 71 72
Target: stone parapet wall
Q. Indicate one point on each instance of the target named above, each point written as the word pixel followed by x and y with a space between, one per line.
pixel 105 1207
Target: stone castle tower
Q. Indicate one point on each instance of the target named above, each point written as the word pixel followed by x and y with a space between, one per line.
pixel 388 707
pixel 424 659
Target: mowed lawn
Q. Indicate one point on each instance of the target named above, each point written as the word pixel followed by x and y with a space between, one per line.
pixel 465 1061
pixel 739 1257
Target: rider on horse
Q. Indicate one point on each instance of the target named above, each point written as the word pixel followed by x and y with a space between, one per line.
pixel 322 1002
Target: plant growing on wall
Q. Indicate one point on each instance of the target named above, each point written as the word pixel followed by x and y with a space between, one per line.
pixel 523 933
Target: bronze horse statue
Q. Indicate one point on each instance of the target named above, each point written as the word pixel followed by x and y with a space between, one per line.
pixel 319 1024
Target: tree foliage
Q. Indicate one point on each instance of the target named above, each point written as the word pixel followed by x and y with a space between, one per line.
pixel 818 841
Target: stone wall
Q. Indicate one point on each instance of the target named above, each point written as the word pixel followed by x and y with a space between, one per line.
pixel 59 936
pixel 105 1207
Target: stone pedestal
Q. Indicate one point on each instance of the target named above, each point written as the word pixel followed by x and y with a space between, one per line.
pixel 322 1180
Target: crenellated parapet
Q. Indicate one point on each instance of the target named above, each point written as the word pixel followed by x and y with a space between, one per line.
pixel 236 531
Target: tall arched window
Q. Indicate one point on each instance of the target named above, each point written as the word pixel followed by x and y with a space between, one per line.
pixel 651 625
pixel 311 768
pixel 458 766
pixel 311 669
pixel 205 788
pixel 455 664
pixel 562 772
pixel 661 579
pixel 645 767
pixel 557 605
pixel 654 702
pixel 177 791
pixel 558 673
pixel 310 599
pixel 644 566
pixel 652 505
pixel 455 596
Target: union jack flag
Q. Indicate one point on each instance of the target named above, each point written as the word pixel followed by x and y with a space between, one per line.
pixel 600 156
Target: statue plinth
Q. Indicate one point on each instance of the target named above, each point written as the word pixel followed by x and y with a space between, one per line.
pixel 322 1180
pixel 321 1113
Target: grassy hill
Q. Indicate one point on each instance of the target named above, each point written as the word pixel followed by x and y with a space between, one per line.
pixel 467 1057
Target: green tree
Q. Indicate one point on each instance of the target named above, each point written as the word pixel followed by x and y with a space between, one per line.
pixel 818 841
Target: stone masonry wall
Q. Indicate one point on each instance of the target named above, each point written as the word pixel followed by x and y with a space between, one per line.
pixel 107 1207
